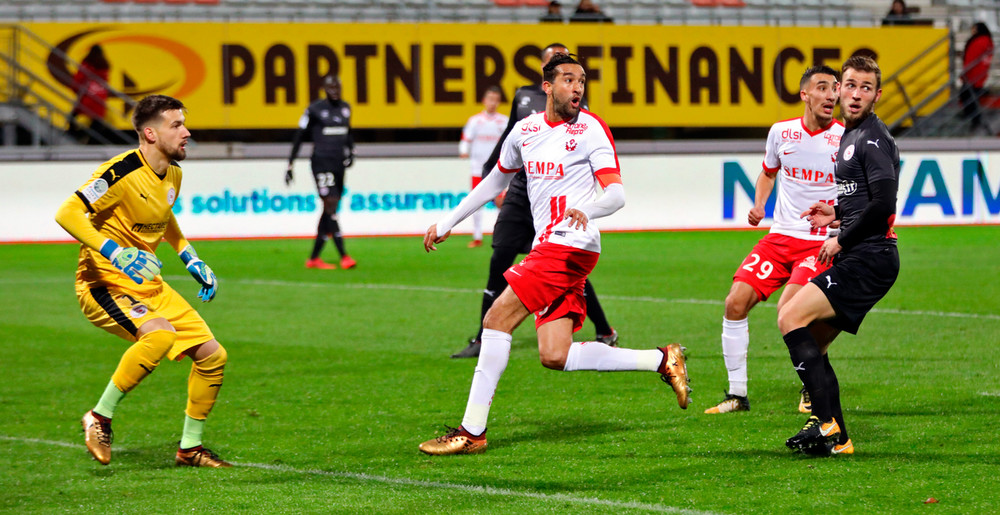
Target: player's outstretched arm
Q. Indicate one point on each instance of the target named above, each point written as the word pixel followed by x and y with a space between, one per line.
pixel 139 265
pixel 487 190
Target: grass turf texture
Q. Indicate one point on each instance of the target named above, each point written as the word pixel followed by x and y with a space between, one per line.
pixel 336 376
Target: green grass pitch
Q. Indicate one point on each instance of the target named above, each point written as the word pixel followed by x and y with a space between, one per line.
pixel 335 377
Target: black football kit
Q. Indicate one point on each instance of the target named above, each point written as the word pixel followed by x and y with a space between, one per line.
pixel 867 184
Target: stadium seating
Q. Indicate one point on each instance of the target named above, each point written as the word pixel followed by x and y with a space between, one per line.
pixel 756 12
pixel 956 14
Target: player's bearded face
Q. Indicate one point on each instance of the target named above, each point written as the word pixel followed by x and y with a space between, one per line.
pixel 567 90
pixel 858 95
pixel 172 135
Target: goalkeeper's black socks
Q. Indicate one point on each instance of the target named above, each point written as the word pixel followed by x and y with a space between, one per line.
pixel 808 363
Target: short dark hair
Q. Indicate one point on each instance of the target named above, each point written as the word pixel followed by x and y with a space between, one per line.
pixel 493 89
pixel 863 63
pixel 823 69
pixel 551 45
pixel 151 108
pixel 549 71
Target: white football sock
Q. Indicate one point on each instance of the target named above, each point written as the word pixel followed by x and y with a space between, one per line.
pixel 477 224
pixel 735 342
pixel 493 357
pixel 598 356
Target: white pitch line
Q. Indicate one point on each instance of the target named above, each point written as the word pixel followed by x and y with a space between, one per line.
pixel 626 298
pixel 445 289
pixel 990 394
pixel 474 489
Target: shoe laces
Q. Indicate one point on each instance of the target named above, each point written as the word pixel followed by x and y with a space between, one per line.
pixel 105 436
pixel 813 422
pixel 452 433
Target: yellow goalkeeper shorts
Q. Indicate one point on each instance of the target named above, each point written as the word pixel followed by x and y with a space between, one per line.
pixel 122 312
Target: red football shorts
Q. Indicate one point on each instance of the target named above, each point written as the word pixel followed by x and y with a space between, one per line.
pixel 476 181
pixel 778 259
pixel 549 281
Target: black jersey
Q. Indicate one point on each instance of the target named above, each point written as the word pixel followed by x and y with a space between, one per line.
pixel 867 155
pixel 328 124
pixel 527 101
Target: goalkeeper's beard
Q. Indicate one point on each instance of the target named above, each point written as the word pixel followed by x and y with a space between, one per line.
pixel 177 153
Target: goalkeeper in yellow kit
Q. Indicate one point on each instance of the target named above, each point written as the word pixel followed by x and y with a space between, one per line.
pixel 120 215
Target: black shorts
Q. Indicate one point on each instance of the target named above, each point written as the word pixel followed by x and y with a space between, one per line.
pixel 857 280
pixel 329 183
pixel 514 227
pixel 515 234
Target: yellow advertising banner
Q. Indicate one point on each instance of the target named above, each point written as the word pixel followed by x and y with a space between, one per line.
pixel 263 75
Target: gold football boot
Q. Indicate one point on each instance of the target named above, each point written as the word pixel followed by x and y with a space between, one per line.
pixel 673 370
pixel 455 441
pixel 200 457
pixel 97 434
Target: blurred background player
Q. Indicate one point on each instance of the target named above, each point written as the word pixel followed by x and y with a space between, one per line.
pixel 120 216
pixel 514 230
pixel 481 133
pixel 801 151
pixel 568 153
pixel 328 123
pixel 864 257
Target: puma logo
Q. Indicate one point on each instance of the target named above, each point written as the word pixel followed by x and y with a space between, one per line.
pixel 144 197
pixel 801 366
pixel 870 142
pixel 829 282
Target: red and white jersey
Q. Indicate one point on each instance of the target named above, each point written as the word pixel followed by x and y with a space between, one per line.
pixel 480 136
pixel 804 162
pixel 563 163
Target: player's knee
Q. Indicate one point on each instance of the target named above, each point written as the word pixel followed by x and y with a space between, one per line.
pixel 214 362
pixel 492 320
pixel 553 359
pixel 788 320
pixel 158 343
pixel 737 306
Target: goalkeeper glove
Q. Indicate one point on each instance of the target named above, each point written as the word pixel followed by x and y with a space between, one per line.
pixel 139 265
pixel 201 273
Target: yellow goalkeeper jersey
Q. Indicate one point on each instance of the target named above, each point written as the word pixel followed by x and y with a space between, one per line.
pixel 132 205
